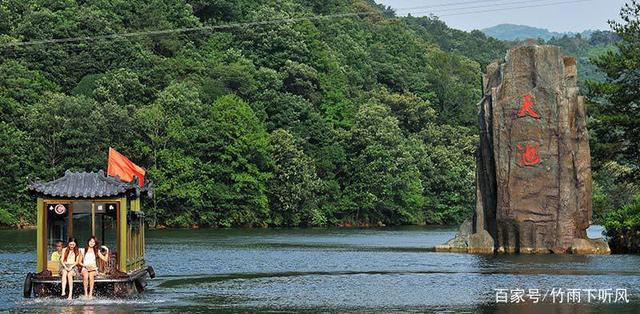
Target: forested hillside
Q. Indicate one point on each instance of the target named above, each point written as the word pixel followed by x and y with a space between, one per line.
pixel 314 118
pixel 355 120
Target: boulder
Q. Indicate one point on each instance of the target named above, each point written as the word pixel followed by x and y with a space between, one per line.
pixel 481 242
pixel 460 242
pixel 589 246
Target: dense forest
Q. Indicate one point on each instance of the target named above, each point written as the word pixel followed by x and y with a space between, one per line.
pixel 361 119
pixel 354 120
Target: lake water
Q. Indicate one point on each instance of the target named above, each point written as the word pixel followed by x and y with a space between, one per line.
pixel 332 270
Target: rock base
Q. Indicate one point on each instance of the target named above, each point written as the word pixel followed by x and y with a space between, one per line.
pixel 589 246
pixel 482 243
pixel 460 243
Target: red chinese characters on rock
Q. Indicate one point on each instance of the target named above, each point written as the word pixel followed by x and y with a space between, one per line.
pixel 527 108
pixel 527 155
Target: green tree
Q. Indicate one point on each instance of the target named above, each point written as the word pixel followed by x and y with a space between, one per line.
pixel 612 189
pixel 622 226
pixel 232 146
pixel 163 140
pixel 456 82
pixel 412 112
pixel 20 88
pixel 445 157
pixel 273 44
pixel 293 188
pixel 64 135
pixel 616 125
pixel 383 184
pixel 14 167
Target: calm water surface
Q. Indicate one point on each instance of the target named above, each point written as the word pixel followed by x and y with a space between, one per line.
pixel 330 270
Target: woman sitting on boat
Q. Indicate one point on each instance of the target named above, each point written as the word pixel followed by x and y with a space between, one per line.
pixel 70 259
pixel 90 266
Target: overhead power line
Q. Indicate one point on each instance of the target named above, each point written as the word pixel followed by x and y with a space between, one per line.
pixel 261 23
pixel 183 30
pixel 499 9
pixel 509 3
pixel 455 4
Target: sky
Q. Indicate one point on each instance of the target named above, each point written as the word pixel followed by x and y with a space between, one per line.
pixel 554 15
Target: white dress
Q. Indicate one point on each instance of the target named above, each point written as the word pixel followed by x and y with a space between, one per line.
pixel 90 261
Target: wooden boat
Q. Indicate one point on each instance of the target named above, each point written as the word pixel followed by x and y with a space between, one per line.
pixel 82 204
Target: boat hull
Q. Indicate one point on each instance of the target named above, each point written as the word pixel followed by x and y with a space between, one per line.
pixel 121 286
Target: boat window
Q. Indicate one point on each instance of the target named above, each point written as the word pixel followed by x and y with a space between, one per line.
pixel 82 226
pixel 57 221
pixel 106 229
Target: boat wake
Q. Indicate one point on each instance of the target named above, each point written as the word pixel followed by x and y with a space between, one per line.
pixel 96 301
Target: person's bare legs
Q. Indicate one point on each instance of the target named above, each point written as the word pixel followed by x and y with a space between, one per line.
pixel 64 282
pixel 92 280
pixel 85 282
pixel 70 279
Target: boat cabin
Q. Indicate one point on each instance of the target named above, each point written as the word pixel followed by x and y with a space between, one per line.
pixel 83 204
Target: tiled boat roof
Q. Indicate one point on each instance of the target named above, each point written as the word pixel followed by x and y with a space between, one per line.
pixel 86 185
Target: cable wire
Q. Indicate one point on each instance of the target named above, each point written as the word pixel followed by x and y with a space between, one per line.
pixel 513 8
pixel 460 3
pixel 261 23
pixel 498 9
pixel 183 30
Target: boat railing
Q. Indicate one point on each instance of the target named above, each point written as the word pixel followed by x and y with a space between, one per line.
pixel 111 265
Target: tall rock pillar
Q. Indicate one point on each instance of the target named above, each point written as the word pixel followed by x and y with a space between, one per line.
pixel 533 167
pixel 533 171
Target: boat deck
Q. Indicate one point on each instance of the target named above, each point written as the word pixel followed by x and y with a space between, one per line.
pixel 123 277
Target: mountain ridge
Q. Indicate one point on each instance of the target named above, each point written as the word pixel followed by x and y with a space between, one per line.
pixel 512 32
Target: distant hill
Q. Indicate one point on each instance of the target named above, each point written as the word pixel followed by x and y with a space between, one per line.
pixel 474 45
pixel 484 48
pixel 521 32
pixel 584 46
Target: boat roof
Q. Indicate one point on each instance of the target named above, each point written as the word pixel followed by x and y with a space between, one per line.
pixel 87 185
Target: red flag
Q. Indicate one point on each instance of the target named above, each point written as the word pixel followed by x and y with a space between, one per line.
pixel 119 165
